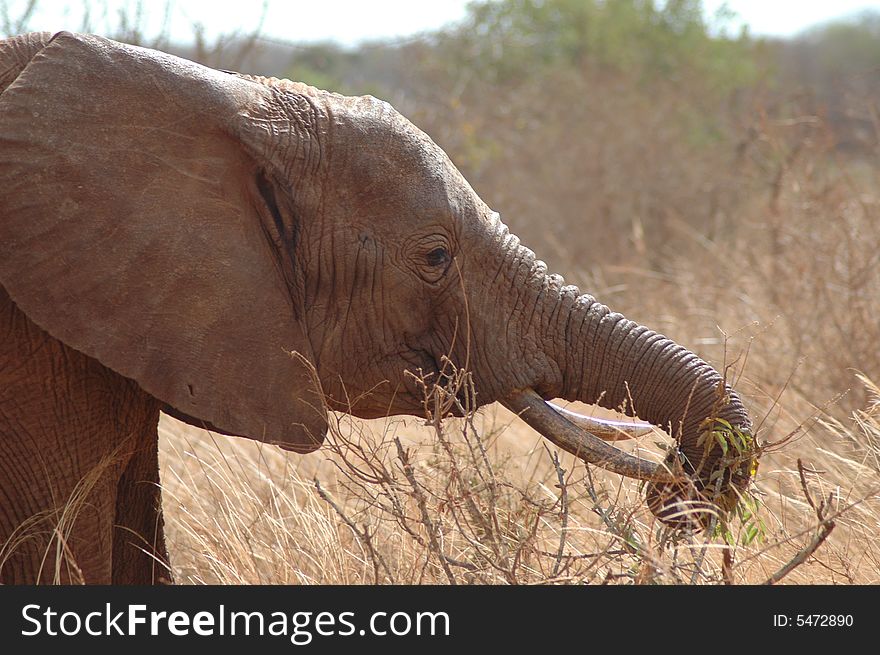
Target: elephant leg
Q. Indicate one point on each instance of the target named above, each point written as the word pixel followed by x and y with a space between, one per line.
pixel 65 540
pixel 139 554
pixel 70 431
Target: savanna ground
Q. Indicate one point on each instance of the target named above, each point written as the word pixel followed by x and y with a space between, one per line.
pixel 723 190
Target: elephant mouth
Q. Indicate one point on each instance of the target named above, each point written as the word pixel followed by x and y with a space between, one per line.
pixel 399 389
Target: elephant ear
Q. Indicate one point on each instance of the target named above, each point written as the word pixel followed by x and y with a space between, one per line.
pixel 137 227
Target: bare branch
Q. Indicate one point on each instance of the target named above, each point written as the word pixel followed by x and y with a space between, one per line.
pixel 423 509
pixel 563 499
pixel 823 529
pixel 363 535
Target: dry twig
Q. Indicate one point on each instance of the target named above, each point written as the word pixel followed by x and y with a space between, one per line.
pixel 823 528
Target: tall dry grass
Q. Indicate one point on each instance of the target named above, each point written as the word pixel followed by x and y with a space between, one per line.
pixel 486 501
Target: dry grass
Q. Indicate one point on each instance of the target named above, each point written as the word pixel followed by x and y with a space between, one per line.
pixel 485 501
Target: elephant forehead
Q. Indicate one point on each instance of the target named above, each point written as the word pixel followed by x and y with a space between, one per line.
pixel 379 145
pixel 389 162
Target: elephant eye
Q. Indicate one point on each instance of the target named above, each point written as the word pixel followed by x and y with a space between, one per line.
pixel 431 256
pixel 437 257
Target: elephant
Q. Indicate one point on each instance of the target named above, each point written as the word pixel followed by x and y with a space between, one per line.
pixel 248 254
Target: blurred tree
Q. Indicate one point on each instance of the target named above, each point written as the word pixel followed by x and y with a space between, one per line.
pixel 512 38
pixel 615 118
pixel 838 64
pixel 15 19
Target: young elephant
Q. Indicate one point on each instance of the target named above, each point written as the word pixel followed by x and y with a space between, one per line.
pixel 246 254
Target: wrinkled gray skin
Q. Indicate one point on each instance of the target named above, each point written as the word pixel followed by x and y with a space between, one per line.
pixel 170 235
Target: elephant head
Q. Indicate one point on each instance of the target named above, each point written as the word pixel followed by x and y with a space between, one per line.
pixel 255 252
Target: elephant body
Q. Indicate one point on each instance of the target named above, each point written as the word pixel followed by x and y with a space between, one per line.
pixel 74 509
pixel 248 254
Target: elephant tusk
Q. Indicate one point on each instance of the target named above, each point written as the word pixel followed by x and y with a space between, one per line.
pixel 604 428
pixel 532 409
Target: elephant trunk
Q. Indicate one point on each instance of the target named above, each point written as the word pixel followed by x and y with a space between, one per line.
pixel 608 360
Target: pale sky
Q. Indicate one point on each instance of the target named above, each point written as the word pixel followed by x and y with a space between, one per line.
pixel 788 17
pixel 350 21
